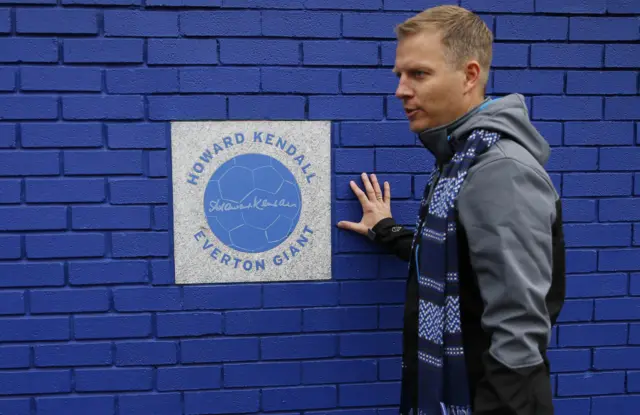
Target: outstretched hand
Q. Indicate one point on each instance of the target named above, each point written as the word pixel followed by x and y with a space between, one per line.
pixel 375 204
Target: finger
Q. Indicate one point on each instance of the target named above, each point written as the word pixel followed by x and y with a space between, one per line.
pixel 387 193
pixel 352 226
pixel 359 193
pixel 376 187
pixel 368 187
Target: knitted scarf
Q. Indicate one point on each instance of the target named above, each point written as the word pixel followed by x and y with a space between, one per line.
pixel 442 377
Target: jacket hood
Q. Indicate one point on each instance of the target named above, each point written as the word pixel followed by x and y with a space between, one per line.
pixel 507 115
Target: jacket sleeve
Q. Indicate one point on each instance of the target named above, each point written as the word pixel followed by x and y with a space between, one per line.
pixel 394 238
pixel 507 210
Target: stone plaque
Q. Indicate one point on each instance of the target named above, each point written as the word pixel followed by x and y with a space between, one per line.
pixel 251 201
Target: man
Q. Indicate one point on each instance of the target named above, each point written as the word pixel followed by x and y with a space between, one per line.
pixel 486 261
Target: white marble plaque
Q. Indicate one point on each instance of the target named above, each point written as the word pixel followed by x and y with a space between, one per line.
pixel 251 201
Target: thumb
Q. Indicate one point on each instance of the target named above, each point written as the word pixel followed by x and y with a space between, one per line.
pixel 352 226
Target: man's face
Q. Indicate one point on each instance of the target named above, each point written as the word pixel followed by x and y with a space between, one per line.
pixel 432 91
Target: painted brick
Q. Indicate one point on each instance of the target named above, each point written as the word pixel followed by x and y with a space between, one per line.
pixel 36 382
pixel 10 247
pixel 619 260
pixel 622 108
pixel 265 107
pixel 576 311
pixel 219 80
pixel 569 360
pixel 560 55
pixel 222 402
pixel 139 244
pixel 622 55
pixel 12 303
pixel 363 134
pixel 300 295
pixel 612 309
pixel 124 107
pixel 58 21
pixel 160 404
pixel 16 406
pixel 103 50
pixel 111 217
pixel 593 133
pixel 262 374
pixel 525 6
pixel 337 4
pixel 529 81
pixel 340 319
pixel 93 354
pixel 139 23
pixel 7 79
pixel 345 107
pixel 571 6
pixel 108 272
pixel 61 135
pixel 34 329
pixel 309 346
pixel 219 350
pixel 591 383
pixel 597 184
pixel 22 107
pixel 7 135
pixel 103 2
pixel 187 107
pixel 342 371
pixel 340 52
pixel 596 285
pixel 619 159
pixel 601 405
pixel 259 52
pixel 5 20
pixel 69 301
pixel 146 353
pixel 354 160
pixel 263 322
pixel 188 378
pixel 510 55
pixel 158 167
pixel 368 81
pixel 567 108
pixel 220 23
pixel 32 274
pixel 182 52
pixel 409 160
pixel 88 162
pixel 371 25
pixel 370 344
pixel 184 3
pixel 573 159
pixel 67 245
pixel 112 326
pixel 601 83
pixel 290 24
pixel 100 405
pixel 579 210
pixel 371 292
pixel 298 80
pixel 188 324
pixel 142 81
pixel 60 79
pixel 64 190
pixel 592 334
pixel 33 218
pixel 223 297
pixel 117 379
pixel 10 190
pixel 400 185
pixel 136 191
pixel 29 50
pixel 528 27
pixel 13 357
pixel 597 235
pixel 147 299
pixel 604 28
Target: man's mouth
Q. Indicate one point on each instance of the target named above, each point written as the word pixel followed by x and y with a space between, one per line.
pixel 411 112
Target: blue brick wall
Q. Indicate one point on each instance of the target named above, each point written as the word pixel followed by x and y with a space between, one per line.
pixel 89 312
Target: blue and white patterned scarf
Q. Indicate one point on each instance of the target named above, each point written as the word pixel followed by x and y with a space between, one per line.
pixel 442 374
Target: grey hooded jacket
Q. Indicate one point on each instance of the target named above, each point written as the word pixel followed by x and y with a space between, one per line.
pixel 512 261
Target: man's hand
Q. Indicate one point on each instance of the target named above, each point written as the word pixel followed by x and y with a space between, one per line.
pixel 375 205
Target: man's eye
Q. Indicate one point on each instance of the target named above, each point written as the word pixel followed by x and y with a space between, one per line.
pixel 419 74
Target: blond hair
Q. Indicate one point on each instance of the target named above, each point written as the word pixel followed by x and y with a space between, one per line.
pixel 463 33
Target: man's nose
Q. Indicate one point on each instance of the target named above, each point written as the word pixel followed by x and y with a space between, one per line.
pixel 403 90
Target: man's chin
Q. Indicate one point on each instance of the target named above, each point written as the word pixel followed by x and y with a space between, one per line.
pixel 417 126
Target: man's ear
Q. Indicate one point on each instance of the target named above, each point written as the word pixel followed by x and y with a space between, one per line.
pixel 473 79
